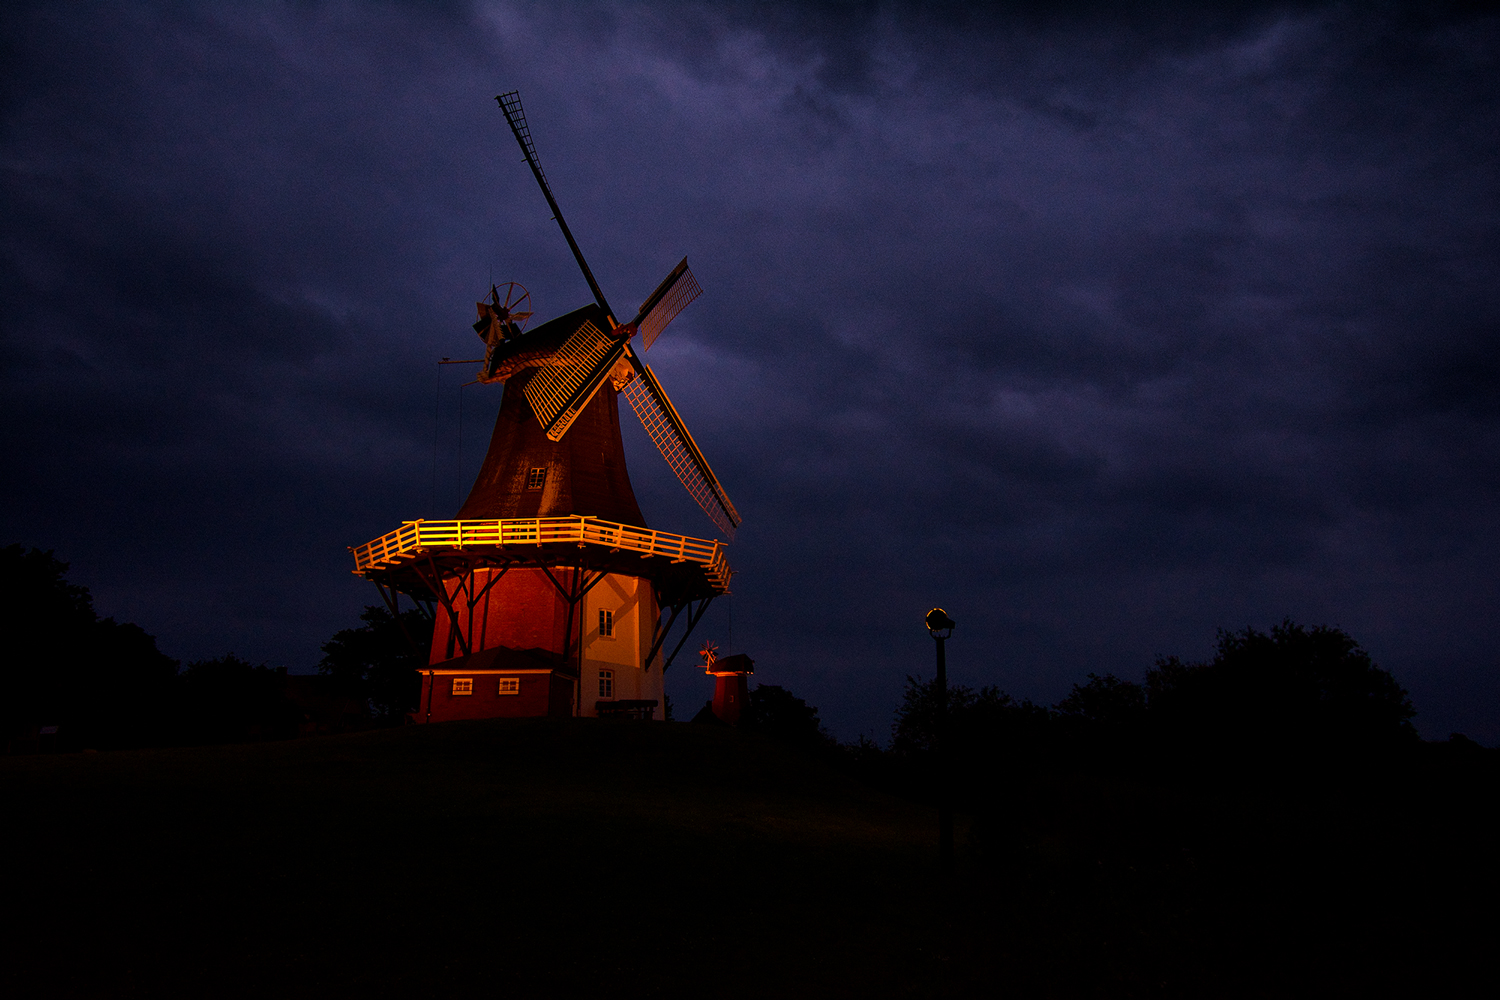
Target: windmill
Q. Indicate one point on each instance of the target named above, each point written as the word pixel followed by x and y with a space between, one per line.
pixel 549 594
pixel 731 685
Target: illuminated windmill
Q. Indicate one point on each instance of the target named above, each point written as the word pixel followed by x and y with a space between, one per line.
pixel 549 594
pixel 731 685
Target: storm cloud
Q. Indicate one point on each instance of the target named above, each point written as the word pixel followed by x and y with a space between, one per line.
pixel 1100 331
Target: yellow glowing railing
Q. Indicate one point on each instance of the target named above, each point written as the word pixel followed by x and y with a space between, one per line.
pixel 414 537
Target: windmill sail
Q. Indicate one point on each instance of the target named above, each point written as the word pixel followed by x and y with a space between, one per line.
pixel 511 104
pixel 671 297
pixel 659 417
pixel 559 391
pixel 561 388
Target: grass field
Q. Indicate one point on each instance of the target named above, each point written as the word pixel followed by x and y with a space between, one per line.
pixel 543 857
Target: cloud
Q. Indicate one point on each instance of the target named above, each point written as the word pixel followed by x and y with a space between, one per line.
pixel 1100 329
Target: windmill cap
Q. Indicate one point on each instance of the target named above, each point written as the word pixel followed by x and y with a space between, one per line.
pixel 739 663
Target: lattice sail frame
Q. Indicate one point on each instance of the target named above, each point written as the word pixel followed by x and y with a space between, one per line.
pixel 589 356
pixel 681 295
pixel 560 390
pixel 659 417
pixel 510 105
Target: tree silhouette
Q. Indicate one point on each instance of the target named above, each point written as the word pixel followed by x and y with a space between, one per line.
pixel 1294 688
pixel 1104 701
pixel 1293 694
pixel 377 662
pixel 983 722
pixel 102 682
pixel 1106 718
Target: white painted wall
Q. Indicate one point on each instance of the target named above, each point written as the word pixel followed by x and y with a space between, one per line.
pixel 633 601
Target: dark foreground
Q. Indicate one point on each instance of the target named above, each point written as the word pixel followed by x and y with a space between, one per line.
pixel 619 859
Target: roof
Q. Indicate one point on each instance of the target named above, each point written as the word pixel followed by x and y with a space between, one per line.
pixel 739 663
pixel 502 659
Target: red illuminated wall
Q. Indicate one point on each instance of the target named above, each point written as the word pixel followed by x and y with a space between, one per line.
pixel 522 621
pixel 730 692
pixel 523 610
pixel 541 694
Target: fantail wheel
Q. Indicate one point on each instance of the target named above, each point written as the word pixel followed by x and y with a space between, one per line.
pixel 513 305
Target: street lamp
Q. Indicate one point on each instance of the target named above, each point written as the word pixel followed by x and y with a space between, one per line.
pixel 938 621
pixel 940 627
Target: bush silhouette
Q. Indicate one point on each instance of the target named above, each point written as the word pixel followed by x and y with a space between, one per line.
pixel 1293 694
pixel 777 712
pixel 228 700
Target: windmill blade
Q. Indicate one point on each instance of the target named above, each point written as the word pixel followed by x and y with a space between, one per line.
pixel 559 391
pixel 659 417
pixel 671 297
pixel 510 104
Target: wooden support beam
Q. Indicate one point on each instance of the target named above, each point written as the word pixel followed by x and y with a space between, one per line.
pixel 661 634
pixel 560 588
pixel 693 618
pixel 568 594
pixel 435 583
pixel 393 604
pixel 494 579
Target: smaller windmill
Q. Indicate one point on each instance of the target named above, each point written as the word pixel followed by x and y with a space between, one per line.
pixel 731 676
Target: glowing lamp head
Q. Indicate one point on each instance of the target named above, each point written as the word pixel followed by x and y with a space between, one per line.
pixel 938 621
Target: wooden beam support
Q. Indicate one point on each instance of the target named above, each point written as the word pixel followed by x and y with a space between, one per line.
pixel 393 605
pixel 435 583
pixel 693 618
pixel 661 634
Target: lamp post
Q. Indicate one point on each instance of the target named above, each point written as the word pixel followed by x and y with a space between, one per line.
pixel 940 627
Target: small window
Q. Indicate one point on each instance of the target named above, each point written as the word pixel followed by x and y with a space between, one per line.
pixel 510 685
pixel 536 479
pixel 606 683
pixel 606 624
pixel 463 685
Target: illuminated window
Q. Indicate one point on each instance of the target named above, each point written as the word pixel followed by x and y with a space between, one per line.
pixel 463 685
pixel 510 685
pixel 606 683
pixel 536 478
pixel 606 624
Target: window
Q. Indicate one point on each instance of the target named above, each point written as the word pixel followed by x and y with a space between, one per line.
pixel 606 683
pixel 510 685
pixel 606 624
pixel 463 685
pixel 536 479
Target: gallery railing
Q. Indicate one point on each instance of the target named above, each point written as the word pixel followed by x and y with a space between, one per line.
pixel 417 537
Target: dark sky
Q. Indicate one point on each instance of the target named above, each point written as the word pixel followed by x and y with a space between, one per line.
pixel 1101 332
